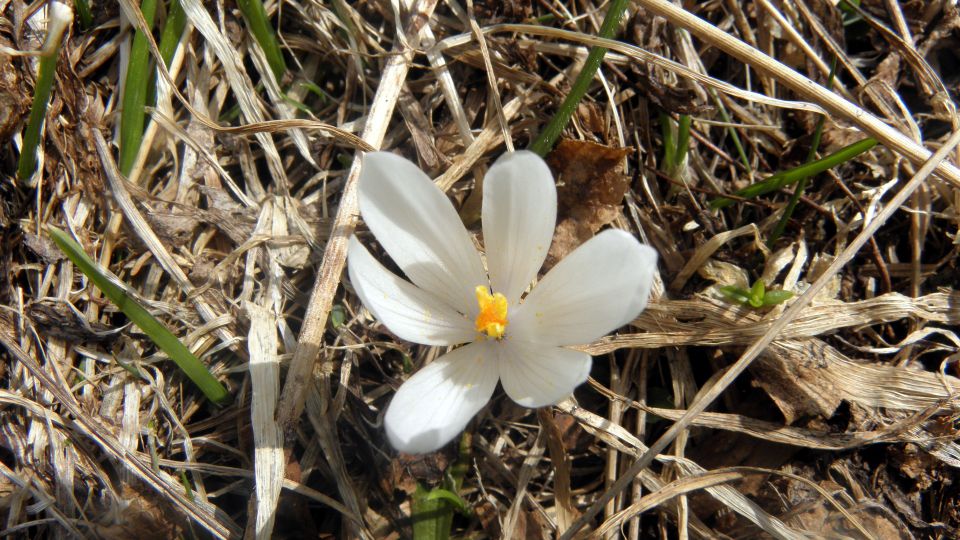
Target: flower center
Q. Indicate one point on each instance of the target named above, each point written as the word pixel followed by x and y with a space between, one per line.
pixel 492 319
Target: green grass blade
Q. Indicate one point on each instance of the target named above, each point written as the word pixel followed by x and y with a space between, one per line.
pixel 675 146
pixel 785 178
pixel 59 21
pixel 548 137
pixel 139 75
pixel 802 184
pixel 172 31
pixel 158 333
pixel 84 13
pixel 174 23
pixel 683 139
pixel 256 17
pixel 669 141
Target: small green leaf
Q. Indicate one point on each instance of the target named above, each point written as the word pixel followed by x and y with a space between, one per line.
pixel 46 75
pixel 551 132
pixel 735 294
pixel 135 90
pixel 315 89
pixel 773 298
pixel 84 13
pixel 337 316
pixel 756 293
pixel 187 488
pixel 449 496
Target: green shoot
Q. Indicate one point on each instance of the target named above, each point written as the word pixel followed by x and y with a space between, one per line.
pixel 757 297
pixel 139 75
pixel 256 17
pixel 325 98
pixel 548 137
pixel 785 178
pixel 683 139
pixel 59 18
pixel 155 330
pixel 674 147
pixel 175 22
pixel 432 511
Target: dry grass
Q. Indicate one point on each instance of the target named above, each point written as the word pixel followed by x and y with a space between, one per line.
pixel 832 416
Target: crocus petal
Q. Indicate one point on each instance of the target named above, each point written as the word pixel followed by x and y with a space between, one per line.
pixel 411 313
pixel 419 228
pixel 598 288
pixel 519 215
pixel 436 403
pixel 535 375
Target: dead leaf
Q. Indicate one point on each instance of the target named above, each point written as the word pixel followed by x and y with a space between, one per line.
pixel 408 469
pixel 144 516
pixel 590 190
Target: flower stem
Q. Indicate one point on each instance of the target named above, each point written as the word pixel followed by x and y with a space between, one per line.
pixel 548 137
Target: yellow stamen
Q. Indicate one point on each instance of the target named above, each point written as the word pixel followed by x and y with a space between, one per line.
pixel 492 319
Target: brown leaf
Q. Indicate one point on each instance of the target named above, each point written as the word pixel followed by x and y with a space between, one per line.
pixel 590 190
pixel 407 469
pixel 144 516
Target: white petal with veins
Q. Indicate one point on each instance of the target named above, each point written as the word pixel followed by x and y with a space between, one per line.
pixel 602 285
pixel 519 215
pixel 536 375
pixel 411 313
pixel 435 404
pixel 419 228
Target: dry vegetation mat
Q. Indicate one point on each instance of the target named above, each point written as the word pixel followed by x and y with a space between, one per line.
pixel 795 374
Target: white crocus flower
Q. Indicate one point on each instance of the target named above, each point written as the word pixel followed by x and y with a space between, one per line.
pixel 519 340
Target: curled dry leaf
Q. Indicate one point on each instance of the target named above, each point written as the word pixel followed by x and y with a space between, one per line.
pixel 590 189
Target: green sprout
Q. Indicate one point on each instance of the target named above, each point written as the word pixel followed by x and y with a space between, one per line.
pixel 135 90
pixel 757 297
pixel 675 146
pixel 432 510
pixel 84 13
